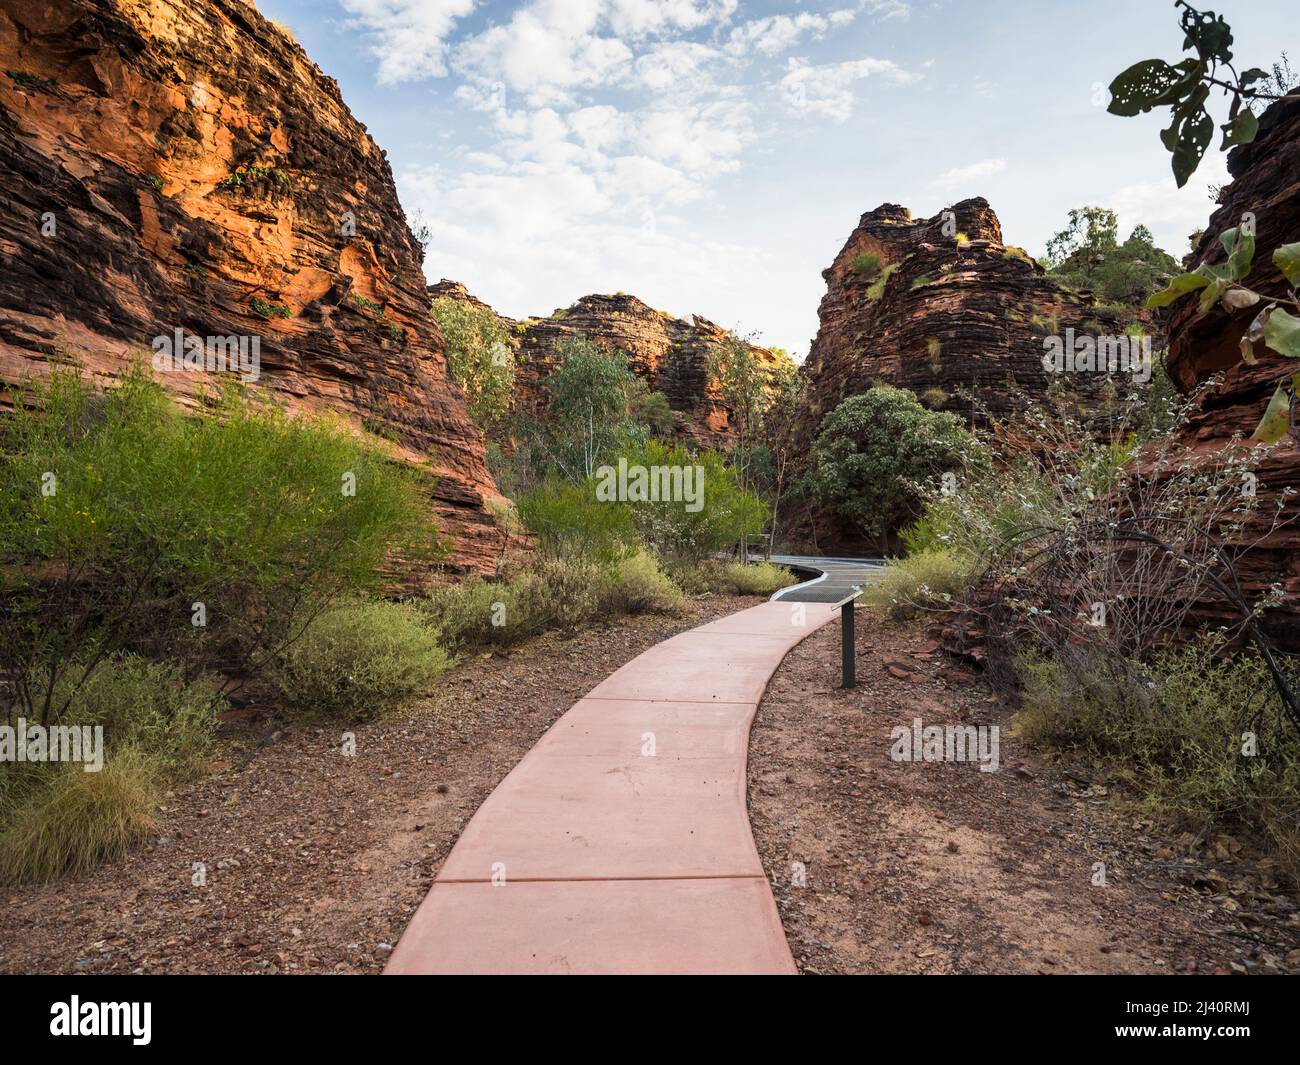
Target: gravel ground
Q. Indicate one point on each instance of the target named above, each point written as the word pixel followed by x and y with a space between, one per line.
pixel 315 861
pixel 936 867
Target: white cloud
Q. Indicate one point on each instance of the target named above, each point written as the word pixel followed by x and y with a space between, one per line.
pixel 676 65
pixel 408 36
pixel 545 51
pixel 828 89
pixel 1172 214
pixel 599 127
pixel 778 33
pixel 887 9
pixel 961 178
pixel 536 239
pixel 603 123
pixel 637 18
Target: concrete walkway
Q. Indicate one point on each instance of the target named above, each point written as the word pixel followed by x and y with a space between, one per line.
pixel 835 581
pixel 621 843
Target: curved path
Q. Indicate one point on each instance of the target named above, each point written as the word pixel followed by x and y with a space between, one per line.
pixel 837 577
pixel 621 843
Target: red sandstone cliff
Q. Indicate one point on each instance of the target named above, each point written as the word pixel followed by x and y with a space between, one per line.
pixel 671 355
pixel 1266 183
pixel 952 308
pixel 193 160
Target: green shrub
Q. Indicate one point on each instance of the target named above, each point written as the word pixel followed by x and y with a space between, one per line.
pixel 652 411
pixel 683 534
pixel 926 580
pixel 636 585
pixel 480 356
pixel 266 309
pixel 568 520
pixel 357 659
pixel 146 705
pixel 71 820
pixel 552 593
pixel 55 817
pixel 877 288
pixel 875 450
pixel 123 521
pixel 866 265
pixel 757 578
pixel 1175 731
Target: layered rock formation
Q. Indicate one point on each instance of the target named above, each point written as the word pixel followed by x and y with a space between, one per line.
pixel 939 305
pixel 671 355
pixel 1266 183
pixel 182 164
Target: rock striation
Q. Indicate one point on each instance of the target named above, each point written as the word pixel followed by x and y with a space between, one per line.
pixel 670 354
pixel 182 164
pixel 1266 184
pixel 940 306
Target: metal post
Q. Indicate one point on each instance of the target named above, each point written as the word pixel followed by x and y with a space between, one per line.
pixel 846 650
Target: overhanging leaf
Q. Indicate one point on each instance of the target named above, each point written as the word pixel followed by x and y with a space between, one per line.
pixel 1210 296
pixel 1178 287
pixel 1208 33
pixel 1238 299
pixel 1277 417
pixel 1143 86
pixel 1188 138
pixel 1282 333
pixel 1240 247
pixel 1241 130
pixel 1287 259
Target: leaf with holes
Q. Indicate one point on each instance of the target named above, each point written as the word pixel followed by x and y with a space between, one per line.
pixel 1150 83
pixel 1189 135
pixel 1241 130
pixel 1208 33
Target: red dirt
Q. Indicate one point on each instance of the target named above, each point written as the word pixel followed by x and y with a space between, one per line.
pixel 940 868
pixel 315 861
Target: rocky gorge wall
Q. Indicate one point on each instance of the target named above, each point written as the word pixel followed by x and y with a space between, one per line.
pixel 670 354
pixel 182 164
pixel 1266 184
pixel 946 310
pixel 953 308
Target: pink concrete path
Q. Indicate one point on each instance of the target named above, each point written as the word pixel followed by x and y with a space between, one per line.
pixel 620 843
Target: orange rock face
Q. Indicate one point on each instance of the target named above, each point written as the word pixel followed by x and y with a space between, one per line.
pixel 671 355
pixel 942 307
pixel 182 165
pixel 1266 184
pixel 957 310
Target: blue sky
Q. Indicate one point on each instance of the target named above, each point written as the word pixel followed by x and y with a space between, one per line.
pixel 711 156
